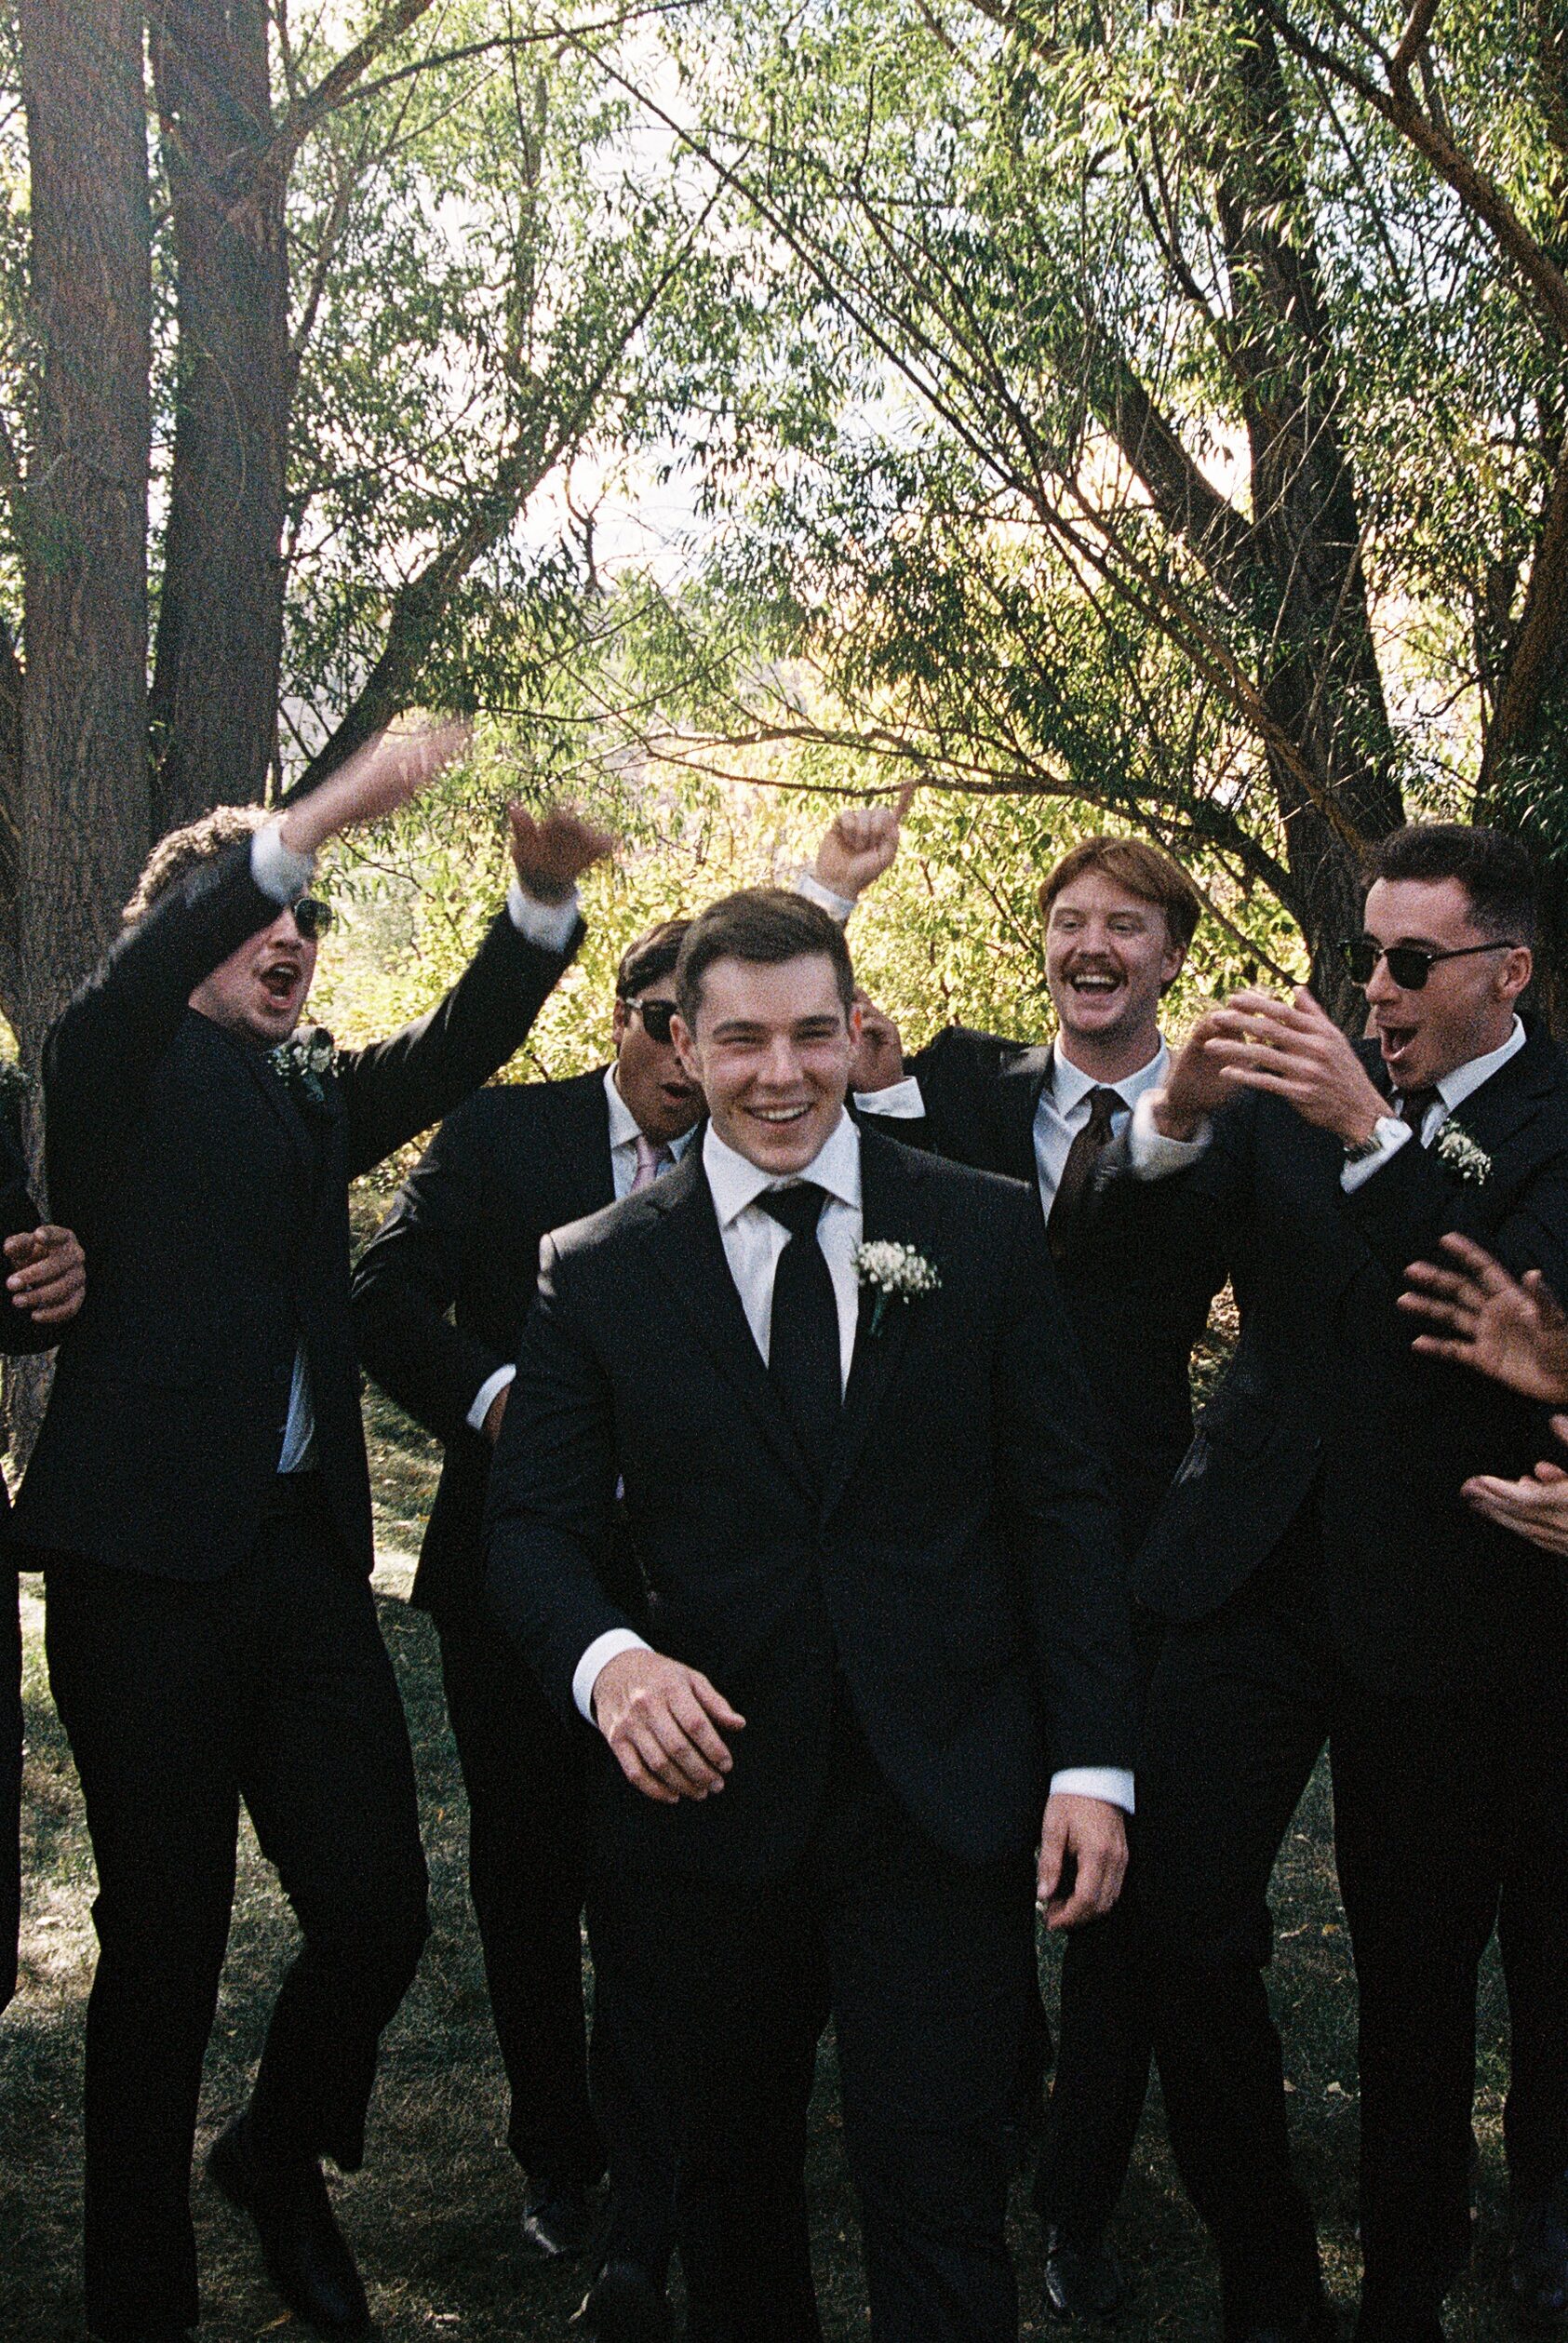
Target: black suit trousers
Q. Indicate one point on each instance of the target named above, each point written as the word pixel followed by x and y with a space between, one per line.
pixel 10 1779
pixel 1431 1800
pixel 269 1684
pixel 923 1960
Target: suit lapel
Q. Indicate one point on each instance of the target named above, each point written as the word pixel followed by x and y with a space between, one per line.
pixel 895 1207
pixel 579 1131
pixel 275 1090
pixel 690 1251
pixel 1506 1101
pixel 1018 1095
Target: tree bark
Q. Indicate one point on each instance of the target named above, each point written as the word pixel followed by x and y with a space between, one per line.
pixel 214 683
pixel 84 831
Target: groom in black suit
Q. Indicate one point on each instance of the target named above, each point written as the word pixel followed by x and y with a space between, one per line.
pixel 856 1449
pixel 440 1296
pixel 1323 1579
pixel 200 1497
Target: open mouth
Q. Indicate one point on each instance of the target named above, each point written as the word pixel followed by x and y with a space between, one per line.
pixel 1093 983
pixel 779 1115
pixel 280 984
pixel 1395 1041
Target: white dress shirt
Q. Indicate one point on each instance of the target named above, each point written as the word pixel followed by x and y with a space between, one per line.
pixel 624 1132
pixel 753 1241
pixel 1151 1153
pixel 284 875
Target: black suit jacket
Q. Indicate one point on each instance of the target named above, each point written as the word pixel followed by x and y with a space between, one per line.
pixel 1325 1393
pixel 956 1559
pixel 1137 1311
pixel 463 1238
pixel 213 1203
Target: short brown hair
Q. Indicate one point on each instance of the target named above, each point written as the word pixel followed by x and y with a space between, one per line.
pixel 766 926
pixel 185 850
pixel 1493 868
pixel 649 957
pixel 1145 871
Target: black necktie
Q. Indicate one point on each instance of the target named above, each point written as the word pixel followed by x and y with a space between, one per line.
pixel 1415 1106
pixel 803 1337
pixel 1089 1146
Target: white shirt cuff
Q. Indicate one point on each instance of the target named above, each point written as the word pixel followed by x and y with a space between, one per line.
pixel 550 926
pixel 900 1102
pixel 1150 1154
pixel 837 906
pixel 1113 1783
pixel 278 872
pixel 603 1649
pixel 1390 1135
pixel 486 1393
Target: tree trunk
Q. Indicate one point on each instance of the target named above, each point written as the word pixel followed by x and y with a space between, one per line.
pixel 214 683
pixel 85 785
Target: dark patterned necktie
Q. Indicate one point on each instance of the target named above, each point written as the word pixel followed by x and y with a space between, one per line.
pixel 803 1365
pixel 1415 1106
pixel 1089 1146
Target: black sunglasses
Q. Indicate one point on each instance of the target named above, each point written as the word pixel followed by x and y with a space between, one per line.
pixel 656 1016
pixel 1409 964
pixel 313 917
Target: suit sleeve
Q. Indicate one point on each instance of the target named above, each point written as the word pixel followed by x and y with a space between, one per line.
pixel 397 1088
pixel 551 1511
pixel 411 1272
pixel 103 1048
pixel 1057 1501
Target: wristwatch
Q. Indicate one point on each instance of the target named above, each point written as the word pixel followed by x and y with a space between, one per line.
pixel 1358 1150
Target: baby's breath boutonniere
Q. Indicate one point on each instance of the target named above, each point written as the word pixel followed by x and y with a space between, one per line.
pixel 895 1273
pixel 1461 1154
pixel 301 1063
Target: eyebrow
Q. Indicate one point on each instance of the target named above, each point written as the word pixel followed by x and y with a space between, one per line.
pixel 741 1029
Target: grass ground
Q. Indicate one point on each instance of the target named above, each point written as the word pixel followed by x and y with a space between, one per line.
pixel 435 2214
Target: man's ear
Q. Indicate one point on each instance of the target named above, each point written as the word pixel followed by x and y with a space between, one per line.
pixel 618 1024
pixel 1518 968
pixel 1171 966
pixel 685 1048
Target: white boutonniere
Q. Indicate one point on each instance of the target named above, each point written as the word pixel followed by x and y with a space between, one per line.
pixel 302 1065
pixel 895 1273
pixel 1461 1154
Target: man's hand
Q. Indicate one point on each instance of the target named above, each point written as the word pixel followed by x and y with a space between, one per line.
pixel 862 844
pixel 1294 1050
pixel 1516 1332
pixel 494 1413
pixel 551 854
pixel 1094 1834
pixel 1536 1508
pixel 878 1061
pixel 661 1719
pixel 375 780
pixel 49 1274
pixel 1194 1085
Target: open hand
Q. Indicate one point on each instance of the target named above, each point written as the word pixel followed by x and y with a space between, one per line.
pixel 1514 1331
pixel 551 854
pixel 661 1720
pixel 862 844
pixel 1095 1833
pixel 389 769
pixel 1294 1050
pixel 1195 1084
pixel 48 1276
pixel 1536 1508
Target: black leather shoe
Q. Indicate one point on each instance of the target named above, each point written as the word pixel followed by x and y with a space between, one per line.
pixel 1538 2258
pixel 1081 2282
pixel 305 2253
pixel 623 2305
pixel 558 2223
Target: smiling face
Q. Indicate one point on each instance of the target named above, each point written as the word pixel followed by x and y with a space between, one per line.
pixel 772 1052
pixel 259 991
pixel 1465 1009
pixel 647 1073
pixel 1108 959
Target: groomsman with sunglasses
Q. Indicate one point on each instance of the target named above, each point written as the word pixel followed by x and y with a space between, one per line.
pixel 200 1499
pixel 1323 1580
pixel 440 1297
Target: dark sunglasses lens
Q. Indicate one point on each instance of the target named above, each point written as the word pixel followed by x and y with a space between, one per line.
pixel 656 1016
pixel 1363 957
pixel 313 917
pixel 1408 968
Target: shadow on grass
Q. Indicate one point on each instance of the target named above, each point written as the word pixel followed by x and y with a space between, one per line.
pixel 434 2216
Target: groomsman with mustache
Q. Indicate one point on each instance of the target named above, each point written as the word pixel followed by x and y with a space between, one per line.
pixel 200 1499
pixel 1119 918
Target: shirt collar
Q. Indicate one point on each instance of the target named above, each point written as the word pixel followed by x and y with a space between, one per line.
pixel 1069 1084
pixel 1457 1087
pixel 624 1128
pixel 736 1182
